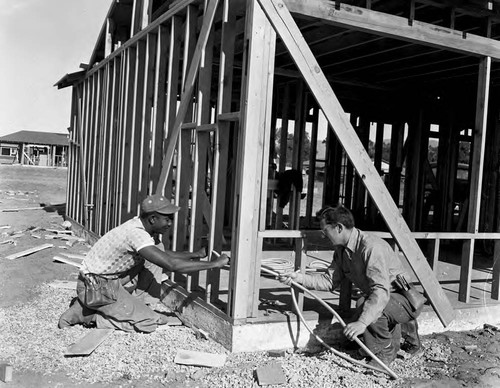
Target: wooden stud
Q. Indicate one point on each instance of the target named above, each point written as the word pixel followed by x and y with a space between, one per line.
pixel 312 167
pixel 476 176
pixel 224 93
pixel 188 90
pixel 257 104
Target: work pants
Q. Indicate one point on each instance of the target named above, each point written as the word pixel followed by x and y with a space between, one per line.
pixel 138 289
pixel 383 336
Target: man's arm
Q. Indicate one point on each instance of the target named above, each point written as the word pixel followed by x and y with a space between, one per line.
pixel 199 254
pixel 328 281
pixel 175 263
pixel 377 275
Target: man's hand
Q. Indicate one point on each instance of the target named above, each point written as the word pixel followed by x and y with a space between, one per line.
pixel 222 260
pixel 354 329
pixel 288 277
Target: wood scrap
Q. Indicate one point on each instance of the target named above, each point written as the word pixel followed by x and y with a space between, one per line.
pixel 5 372
pixel 74 255
pixel 29 251
pixel 87 344
pixel 63 284
pixel 276 353
pixel 21 209
pixel 60 231
pixel 190 357
pixel 271 374
pixel 5 227
pixel 10 241
pixel 67 261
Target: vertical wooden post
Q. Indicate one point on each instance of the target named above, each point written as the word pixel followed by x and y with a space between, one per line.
pixel 257 104
pixel 413 169
pixel 312 167
pixel 224 97
pixel 483 88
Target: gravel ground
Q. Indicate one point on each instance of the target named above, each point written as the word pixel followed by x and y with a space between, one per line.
pixel 30 340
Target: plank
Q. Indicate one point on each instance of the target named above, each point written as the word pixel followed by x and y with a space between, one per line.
pixel 5 372
pixel 74 255
pixel 301 53
pixel 190 357
pixel 87 344
pixel 271 374
pixel 63 284
pixel 29 251
pixel 67 261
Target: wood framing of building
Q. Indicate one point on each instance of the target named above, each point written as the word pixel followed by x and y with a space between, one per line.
pixel 210 102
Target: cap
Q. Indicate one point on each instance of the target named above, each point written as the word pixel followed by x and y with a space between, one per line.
pixel 159 204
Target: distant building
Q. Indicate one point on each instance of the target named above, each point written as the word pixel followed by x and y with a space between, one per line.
pixel 34 148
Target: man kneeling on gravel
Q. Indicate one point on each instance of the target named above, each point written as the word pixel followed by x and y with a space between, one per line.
pixel 373 267
pixel 127 259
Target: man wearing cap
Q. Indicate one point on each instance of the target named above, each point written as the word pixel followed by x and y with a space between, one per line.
pixel 128 255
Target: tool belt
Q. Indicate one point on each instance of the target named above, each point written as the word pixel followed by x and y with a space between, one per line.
pixel 99 290
pixel 416 299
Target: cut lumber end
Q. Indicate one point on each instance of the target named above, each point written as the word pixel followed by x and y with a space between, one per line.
pixel 271 374
pixel 6 372
pixel 87 344
pixel 190 357
pixel 276 353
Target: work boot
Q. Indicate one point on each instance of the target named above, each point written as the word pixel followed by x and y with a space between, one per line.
pixel 76 314
pixel 387 355
pixel 412 344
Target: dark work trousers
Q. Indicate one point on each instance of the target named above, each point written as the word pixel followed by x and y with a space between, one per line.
pixel 385 332
pixel 131 312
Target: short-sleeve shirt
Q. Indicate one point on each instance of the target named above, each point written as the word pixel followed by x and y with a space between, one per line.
pixel 117 251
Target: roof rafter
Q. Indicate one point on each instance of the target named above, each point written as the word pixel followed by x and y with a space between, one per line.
pixel 396 27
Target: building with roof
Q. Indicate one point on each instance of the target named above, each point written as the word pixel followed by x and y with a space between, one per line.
pixel 34 148
pixel 185 98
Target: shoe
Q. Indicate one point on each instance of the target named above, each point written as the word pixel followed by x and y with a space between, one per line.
pixel 387 356
pixel 76 314
pixel 412 350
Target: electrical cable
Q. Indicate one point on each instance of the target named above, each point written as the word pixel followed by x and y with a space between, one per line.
pixel 282 264
pixel 386 369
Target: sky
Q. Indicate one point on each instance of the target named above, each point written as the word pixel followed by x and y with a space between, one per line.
pixel 40 42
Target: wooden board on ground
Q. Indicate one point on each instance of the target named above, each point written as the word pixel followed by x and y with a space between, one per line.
pixel 29 251
pixel 64 284
pixel 73 255
pixel 189 357
pixel 5 372
pixel 271 374
pixel 67 261
pixel 87 344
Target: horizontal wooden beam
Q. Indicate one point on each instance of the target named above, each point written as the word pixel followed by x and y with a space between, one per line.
pixel 396 27
pixel 280 234
pixel 429 235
